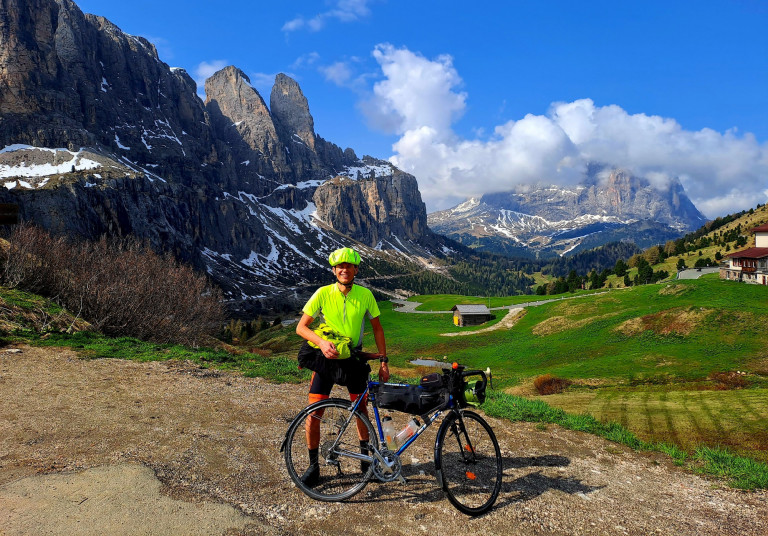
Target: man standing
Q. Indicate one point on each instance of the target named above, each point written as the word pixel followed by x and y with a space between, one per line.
pixel 344 306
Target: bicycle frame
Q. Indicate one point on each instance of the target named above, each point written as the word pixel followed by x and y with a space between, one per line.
pixel 429 419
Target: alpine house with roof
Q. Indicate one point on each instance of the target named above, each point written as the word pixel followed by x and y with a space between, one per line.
pixel 749 265
pixel 470 315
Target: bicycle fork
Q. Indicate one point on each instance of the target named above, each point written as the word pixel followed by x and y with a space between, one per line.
pixel 467 450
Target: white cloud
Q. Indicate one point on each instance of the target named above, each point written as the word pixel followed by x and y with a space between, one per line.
pixel 415 93
pixel 339 73
pixel 204 71
pixel 343 11
pixel 306 60
pixel 419 99
pixel 293 24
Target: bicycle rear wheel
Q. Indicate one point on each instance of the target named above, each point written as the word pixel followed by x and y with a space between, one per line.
pixel 468 462
pixel 342 474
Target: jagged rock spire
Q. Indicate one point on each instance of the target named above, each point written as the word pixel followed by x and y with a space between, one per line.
pixel 290 107
pixel 229 94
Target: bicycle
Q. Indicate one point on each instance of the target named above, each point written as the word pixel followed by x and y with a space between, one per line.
pixel 467 457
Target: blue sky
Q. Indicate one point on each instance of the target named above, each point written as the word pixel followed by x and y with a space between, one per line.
pixel 479 97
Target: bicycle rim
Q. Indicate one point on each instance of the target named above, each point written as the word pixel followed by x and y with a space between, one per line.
pixel 468 463
pixel 341 476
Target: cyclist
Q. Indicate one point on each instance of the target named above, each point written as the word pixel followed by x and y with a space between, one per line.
pixel 344 306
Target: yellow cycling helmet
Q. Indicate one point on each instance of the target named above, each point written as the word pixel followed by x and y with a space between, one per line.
pixel 344 255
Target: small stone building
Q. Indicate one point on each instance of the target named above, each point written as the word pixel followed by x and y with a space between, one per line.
pixel 470 315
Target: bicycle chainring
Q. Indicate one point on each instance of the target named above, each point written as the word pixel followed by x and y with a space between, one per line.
pixel 393 463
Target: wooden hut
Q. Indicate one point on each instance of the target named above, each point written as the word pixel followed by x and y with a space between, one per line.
pixel 470 315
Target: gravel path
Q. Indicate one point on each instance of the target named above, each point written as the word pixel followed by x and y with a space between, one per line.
pixel 119 447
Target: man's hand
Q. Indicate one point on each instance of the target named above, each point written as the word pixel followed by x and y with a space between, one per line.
pixel 384 372
pixel 328 349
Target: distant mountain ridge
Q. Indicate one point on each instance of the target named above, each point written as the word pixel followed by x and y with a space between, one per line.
pixel 98 136
pixel 609 205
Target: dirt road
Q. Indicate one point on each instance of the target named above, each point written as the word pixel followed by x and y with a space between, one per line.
pixel 118 447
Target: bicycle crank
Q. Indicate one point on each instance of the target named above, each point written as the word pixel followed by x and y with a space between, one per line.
pixel 387 466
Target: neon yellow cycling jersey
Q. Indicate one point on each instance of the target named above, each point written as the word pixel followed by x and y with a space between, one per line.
pixel 345 314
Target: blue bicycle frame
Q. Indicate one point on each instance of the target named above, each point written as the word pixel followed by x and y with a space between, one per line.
pixel 428 419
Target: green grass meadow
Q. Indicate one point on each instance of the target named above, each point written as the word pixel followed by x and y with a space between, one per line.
pixel 444 302
pixel 645 357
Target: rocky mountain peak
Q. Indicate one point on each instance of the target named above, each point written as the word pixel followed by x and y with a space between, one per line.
pixel 227 184
pixel 610 204
pixel 240 117
pixel 290 108
pixel 236 105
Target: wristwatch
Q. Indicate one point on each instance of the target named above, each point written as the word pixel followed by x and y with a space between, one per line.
pixel 384 359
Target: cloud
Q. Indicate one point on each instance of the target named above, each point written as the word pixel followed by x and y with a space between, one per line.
pixel 415 93
pixel 343 11
pixel 205 70
pixel 339 73
pixel 419 99
pixel 306 60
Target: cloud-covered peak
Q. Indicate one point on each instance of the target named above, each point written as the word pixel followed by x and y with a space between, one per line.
pixel 420 99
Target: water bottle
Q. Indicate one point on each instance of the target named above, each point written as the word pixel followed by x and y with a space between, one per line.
pixel 405 434
pixel 389 432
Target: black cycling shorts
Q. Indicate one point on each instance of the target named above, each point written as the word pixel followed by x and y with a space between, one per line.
pixel 322 386
pixel 351 373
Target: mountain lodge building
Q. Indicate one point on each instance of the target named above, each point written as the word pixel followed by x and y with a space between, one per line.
pixel 749 265
pixel 470 315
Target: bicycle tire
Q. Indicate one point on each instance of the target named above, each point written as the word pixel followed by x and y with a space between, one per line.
pixel 341 476
pixel 468 462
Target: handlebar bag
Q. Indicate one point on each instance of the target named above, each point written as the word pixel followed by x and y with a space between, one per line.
pixel 432 382
pixel 463 393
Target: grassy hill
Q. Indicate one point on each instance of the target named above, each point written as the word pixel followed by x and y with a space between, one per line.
pixel 684 362
pixel 709 243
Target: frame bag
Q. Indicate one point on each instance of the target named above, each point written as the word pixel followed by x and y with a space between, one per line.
pixel 413 399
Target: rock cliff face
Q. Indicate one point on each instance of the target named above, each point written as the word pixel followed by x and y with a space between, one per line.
pixel 98 136
pixel 380 209
pixel 609 205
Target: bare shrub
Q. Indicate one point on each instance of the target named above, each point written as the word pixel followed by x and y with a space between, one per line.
pixel 726 381
pixel 121 286
pixel 33 260
pixel 550 385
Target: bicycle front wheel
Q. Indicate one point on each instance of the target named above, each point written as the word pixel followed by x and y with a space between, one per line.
pixel 342 473
pixel 468 462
